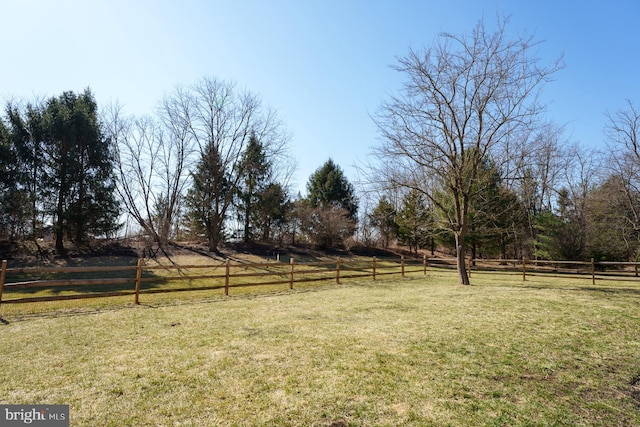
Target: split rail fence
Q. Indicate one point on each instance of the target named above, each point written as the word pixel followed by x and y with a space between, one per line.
pixel 40 284
pixel 67 283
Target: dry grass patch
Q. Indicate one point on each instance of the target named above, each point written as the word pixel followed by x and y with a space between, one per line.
pixel 403 352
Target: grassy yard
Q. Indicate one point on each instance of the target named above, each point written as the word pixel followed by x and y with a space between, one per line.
pixel 419 351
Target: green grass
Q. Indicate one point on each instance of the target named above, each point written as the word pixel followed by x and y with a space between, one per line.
pixel 419 351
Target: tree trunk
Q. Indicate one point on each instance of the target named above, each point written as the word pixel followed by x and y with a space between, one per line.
pixel 266 233
pixel 59 239
pixel 463 277
pixel 474 252
pixel 247 213
pixel 212 236
pixel 59 228
pixel 214 227
pixel 213 244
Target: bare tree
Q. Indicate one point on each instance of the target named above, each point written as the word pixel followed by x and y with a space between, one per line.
pixel 583 175
pixel 221 120
pixel 612 220
pixel 151 169
pixel 463 100
pixel 623 130
pixel 326 226
pixel 156 158
pixel 537 165
pixel 536 170
pixel 623 133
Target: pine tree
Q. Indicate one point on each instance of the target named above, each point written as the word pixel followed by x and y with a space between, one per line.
pixel 78 170
pixel 255 171
pixel 384 219
pixel 206 196
pixel 414 221
pixel 328 186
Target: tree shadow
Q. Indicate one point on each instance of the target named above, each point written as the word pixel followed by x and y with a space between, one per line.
pixel 605 289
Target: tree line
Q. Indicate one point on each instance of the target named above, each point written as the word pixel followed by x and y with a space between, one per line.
pixel 468 158
pixel 211 164
pixel 466 162
pixel 56 171
pixel 580 207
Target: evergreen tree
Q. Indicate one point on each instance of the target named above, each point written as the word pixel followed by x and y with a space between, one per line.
pixel 495 215
pixel 546 244
pixel 334 207
pixel 27 143
pixel 59 170
pixel 560 236
pixel 328 186
pixel 210 189
pixel 78 170
pixel 6 179
pixel 383 218
pixel 415 221
pixel 255 171
pixel 272 209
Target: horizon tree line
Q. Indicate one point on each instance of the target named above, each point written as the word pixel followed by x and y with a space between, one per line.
pixel 466 163
pixel 211 157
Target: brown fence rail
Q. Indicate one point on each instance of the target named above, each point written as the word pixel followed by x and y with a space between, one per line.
pixel 40 284
pixel 594 270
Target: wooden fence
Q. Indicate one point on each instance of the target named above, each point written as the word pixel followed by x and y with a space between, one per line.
pixel 66 283
pixel 148 279
pixel 595 270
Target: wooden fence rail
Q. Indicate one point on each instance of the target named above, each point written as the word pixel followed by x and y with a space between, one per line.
pixel 154 279
pixel 157 279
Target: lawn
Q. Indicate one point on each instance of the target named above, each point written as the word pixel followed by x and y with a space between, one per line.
pixel 418 351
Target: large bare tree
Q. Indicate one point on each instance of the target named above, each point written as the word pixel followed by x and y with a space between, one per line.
pixel 151 167
pixel 207 124
pixel 623 130
pixel 464 100
pixel 536 166
pixel 221 120
pixel 623 134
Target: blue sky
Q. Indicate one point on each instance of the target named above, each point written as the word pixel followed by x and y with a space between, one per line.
pixel 323 65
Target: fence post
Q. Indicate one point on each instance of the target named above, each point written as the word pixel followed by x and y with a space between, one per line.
pixel 374 268
pixel 138 281
pixel 338 271
pixel 524 269
pixel 593 272
pixel 3 275
pixel 424 263
pixel 402 265
pixel 636 268
pixel 226 277
pixel 291 273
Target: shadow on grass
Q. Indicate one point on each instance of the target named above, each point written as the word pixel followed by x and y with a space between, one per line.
pixel 605 289
pixel 602 289
pixel 175 302
pixel 121 270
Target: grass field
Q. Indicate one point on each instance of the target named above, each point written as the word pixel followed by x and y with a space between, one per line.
pixel 417 352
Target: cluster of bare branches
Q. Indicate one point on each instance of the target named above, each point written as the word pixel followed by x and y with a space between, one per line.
pixel 156 156
pixel 465 99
